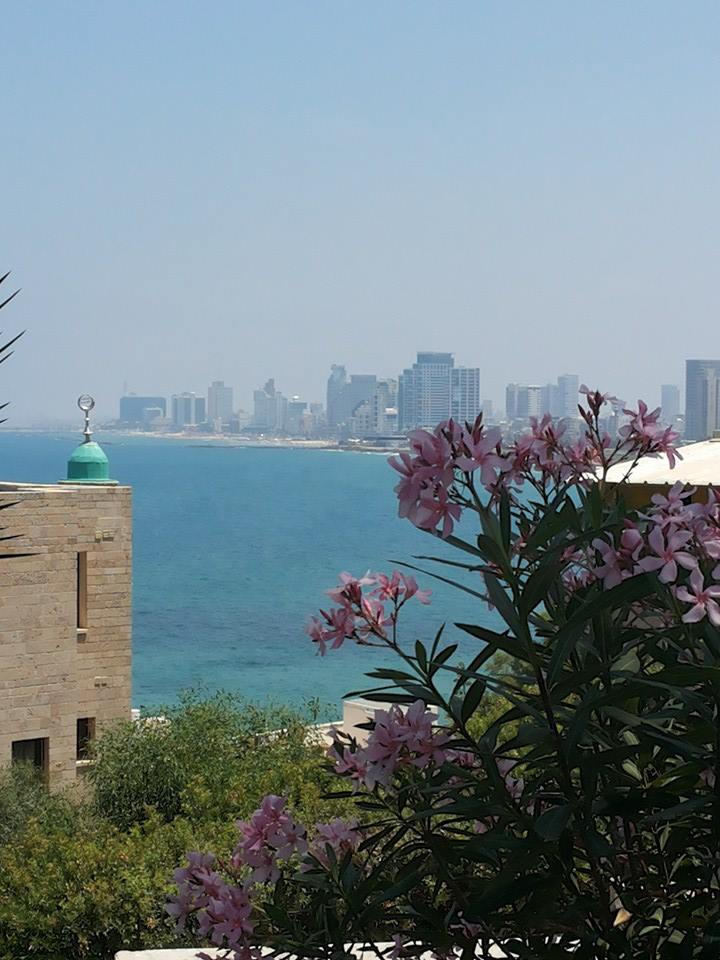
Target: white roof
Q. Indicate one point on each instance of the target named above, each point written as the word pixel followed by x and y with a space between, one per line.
pixel 700 465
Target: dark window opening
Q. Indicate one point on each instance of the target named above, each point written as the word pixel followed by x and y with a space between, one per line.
pixel 82 591
pixel 31 751
pixel 85 734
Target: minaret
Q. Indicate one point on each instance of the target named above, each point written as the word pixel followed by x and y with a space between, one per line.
pixel 88 463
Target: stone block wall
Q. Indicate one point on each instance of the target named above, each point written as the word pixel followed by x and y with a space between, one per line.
pixel 51 672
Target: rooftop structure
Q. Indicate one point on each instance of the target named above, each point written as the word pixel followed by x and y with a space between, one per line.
pixel 65 620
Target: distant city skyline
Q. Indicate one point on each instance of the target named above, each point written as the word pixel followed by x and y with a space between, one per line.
pixel 242 191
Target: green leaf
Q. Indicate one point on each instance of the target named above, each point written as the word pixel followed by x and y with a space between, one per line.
pixel 472 699
pixel 551 824
pixel 496 641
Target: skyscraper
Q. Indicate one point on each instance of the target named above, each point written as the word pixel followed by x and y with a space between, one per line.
pixel 434 389
pixel 188 410
pixel 344 395
pixel 335 386
pixel 219 402
pixel 568 386
pixel 269 409
pixel 670 402
pixel 701 398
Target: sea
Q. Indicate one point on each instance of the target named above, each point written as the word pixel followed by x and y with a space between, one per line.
pixel 233 548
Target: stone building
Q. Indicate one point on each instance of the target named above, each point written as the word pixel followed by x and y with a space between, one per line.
pixel 65 614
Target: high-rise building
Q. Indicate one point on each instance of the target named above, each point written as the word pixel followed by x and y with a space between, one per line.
pixel 335 386
pixel 670 402
pixel 568 387
pixel 219 402
pixel 133 409
pixel 702 416
pixel 530 400
pixel 270 409
pixel 187 410
pixel 345 395
pixel 434 389
pixel 465 394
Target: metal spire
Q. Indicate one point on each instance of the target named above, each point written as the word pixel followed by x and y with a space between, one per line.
pixel 86 403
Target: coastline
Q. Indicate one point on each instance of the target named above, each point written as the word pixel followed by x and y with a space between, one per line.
pixel 218 440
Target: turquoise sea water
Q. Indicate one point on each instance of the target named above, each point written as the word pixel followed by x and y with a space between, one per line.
pixel 233 548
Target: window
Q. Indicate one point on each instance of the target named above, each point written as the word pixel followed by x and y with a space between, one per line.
pixel 82 590
pixel 31 751
pixel 85 733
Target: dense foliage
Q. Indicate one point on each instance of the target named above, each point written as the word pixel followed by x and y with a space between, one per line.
pixel 83 876
pixel 584 820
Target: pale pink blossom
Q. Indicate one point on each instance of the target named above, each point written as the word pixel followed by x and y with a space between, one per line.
pixel 702 598
pixel 668 553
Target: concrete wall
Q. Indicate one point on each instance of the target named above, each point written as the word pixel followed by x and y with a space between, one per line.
pixel 51 673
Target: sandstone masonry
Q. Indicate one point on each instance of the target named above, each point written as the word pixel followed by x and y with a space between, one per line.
pixel 65 621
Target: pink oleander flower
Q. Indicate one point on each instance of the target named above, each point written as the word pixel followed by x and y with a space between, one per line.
pixel 226 919
pixel 618 564
pixel 271 834
pixel 479 452
pixel 702 598
pixel 668 554
pixel 434 508
pixel 399 587
pixel 643 423
pixel 349 589
pixel 674 509
pixel 399 738
pixel 339 625
pixel 342 836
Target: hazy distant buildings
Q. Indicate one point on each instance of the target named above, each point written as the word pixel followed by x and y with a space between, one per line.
pixel 219 402
pixel 187 410
pixel 138 411
pixel 701 398
pixel 345 395
pixel 270 409
pixel 670 402
pixel 559 399
pixel 434 389
pixel 376 417
pixel 524 400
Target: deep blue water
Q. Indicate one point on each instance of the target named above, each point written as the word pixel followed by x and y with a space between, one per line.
pixel 233 548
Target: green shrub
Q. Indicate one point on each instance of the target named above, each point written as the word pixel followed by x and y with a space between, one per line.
pixel 208 759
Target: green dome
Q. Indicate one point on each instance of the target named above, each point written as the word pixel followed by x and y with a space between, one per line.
pixel 88 464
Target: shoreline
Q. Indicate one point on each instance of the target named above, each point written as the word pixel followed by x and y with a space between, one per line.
pixel 219 440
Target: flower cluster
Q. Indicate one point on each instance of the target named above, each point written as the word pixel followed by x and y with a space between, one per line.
pixel 399 738
pixel 437 476
pixel 271 834
pixel 339 837
pixel 224 910
pixel 363 614
pixel 677 535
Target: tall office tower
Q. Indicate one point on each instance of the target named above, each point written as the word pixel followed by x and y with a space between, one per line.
pixel 133 408
pixel 219 402
pixel 465 402
pixel 188 410
pixel 530 401
pixel 269 409
pixel 568 386
pixel 511 400
pixel 701 398
pixel 335 386
pixel 434 389
pixel 670 402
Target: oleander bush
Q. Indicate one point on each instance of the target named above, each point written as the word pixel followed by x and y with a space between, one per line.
pixel 580 814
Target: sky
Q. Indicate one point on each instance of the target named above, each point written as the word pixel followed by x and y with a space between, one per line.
pixel 234 190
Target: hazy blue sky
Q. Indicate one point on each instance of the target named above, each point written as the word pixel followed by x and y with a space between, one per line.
pixel 236 190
